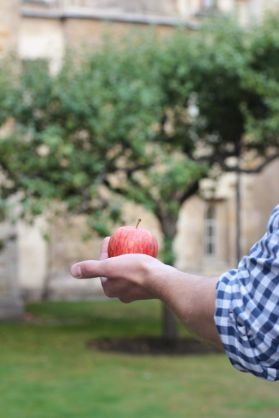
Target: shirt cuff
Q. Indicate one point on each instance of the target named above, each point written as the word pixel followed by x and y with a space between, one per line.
pixel 244 346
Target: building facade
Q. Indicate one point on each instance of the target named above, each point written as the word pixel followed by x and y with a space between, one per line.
pixel 44 28
pixel 206 242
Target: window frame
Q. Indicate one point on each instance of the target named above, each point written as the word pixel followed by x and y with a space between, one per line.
pixel 210 231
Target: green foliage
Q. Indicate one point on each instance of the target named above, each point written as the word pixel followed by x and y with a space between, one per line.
pixel 262 121
pixel 73 129
pixel 144 121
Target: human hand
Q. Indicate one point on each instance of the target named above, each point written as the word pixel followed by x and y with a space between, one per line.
pixel 127 277
pixel 133 277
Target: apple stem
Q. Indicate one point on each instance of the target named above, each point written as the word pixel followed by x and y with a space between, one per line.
pixel 139 221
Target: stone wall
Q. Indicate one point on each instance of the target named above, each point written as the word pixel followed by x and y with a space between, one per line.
pixel 92 33
pixel 260 193
pixel 42 39
pixel 162 7
pixel 65 247
pixel 9 23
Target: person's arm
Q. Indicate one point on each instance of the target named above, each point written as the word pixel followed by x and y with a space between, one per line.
pixel 241 308
pixel 134 276
pixel 247 307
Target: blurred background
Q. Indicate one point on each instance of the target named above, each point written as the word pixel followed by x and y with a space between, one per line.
pixel 40 33
pixel 112 111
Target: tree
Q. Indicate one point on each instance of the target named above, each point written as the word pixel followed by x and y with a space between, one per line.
pixel 242 81
pixel 143 121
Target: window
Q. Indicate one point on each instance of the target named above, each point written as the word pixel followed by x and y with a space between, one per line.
pixel 42 2
pixel 210 233
pixel 208 4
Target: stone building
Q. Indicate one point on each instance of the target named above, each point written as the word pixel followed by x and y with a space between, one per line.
pixel 43 29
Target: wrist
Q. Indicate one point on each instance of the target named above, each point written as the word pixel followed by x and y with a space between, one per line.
pixel 190 297
pixel 159 279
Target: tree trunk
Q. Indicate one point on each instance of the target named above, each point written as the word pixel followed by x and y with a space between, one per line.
pixel 238 249
pixel 169 324
pixel 238 196
pixel 45 293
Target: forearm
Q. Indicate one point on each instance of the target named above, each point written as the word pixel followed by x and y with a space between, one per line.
pixel 137 276
pixel 190 297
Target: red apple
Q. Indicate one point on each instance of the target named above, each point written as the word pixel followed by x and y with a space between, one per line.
pixel 132 240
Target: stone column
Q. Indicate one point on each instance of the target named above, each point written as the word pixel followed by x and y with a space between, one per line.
pixel 11 306
pixel 32 258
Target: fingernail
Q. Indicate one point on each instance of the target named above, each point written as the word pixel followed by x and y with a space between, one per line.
pixel 76 271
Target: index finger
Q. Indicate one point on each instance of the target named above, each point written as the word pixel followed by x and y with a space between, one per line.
pixel 104 255
pixel 89 269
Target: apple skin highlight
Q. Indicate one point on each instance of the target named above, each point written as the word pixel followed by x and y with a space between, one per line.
pixel 132 240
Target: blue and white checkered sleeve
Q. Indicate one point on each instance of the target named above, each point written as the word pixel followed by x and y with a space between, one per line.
pixel 247 307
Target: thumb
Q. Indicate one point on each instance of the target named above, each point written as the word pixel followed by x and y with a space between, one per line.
pixel 92 268
pixel 104 249
pixel 104 255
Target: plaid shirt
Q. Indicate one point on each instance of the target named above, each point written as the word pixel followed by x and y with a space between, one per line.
pixel 247 307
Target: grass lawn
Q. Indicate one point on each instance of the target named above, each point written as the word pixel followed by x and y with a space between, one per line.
pixel 47 371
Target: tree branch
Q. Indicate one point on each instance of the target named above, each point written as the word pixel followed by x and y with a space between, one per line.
pixel 256 170
pixel 191 190
pixel 133 183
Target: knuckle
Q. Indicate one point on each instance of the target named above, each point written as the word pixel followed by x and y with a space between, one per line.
pixel 108 292
pixel 144 270
pixel 107 268
pixel 85 269
pixel 125 299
